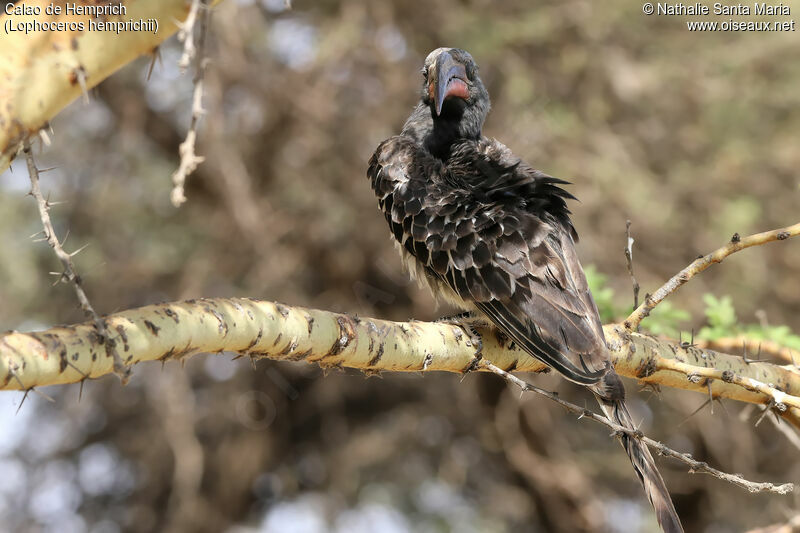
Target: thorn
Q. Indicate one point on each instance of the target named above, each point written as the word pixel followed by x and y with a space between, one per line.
pixel 62 276
pixel 744 354
pixel 764 413
pixel 155 56
pixel 654 388
pixel 719 401
pixel 79 250
pixel 45 140
pixel 24 397
pixel 691 343
pixel 694 412
pixel 43 395
pixel 80 75
pixel 710 395
pixel 78 370
pixel 80 391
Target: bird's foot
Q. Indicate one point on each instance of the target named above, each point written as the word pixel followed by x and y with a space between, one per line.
pixel 469 322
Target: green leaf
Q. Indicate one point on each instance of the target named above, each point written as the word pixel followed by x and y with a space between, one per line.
pixel 665 320
pixel 721 318
pixel 603 295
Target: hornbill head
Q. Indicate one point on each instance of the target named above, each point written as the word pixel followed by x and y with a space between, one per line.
pixel 452 88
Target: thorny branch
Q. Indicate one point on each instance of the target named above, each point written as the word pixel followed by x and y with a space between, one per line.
pixel 255 328
pixel 695 466
pixel 696 374
pixel 69 273
pixel 189 159
pixel 703 262
pixel 258 328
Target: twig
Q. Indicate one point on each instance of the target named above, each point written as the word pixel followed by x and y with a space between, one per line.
pixel 629 261
pixel 703 262
pixel 694 465
pixel 69 268
pixel 697 373
pixel 189 159
pixel 186 35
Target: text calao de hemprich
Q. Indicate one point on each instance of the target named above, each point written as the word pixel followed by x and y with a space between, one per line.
pixel 718 8
pixel 70 9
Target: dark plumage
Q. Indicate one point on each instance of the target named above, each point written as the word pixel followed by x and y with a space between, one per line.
pixel 490 233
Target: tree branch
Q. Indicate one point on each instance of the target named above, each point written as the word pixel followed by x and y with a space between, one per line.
pixel 43 71
pixel 189 158
pixel 258 329
pixel 69 274
pixel 703 262
pixel 695 466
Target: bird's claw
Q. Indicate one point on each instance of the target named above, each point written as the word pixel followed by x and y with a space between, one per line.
pixel 467 322
pixel 475 339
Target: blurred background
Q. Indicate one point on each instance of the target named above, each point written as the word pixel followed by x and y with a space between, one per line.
pixel 691 136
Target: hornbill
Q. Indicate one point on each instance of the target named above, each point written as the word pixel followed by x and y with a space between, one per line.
pixel 486 231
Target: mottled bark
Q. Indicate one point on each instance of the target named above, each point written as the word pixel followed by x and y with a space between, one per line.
pixel 258 329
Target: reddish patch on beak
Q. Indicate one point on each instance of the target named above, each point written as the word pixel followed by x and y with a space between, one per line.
pixel 456 87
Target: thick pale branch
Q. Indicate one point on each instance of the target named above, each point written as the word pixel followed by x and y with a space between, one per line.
pixel 43 71
pixel 264 329
pixel 703 262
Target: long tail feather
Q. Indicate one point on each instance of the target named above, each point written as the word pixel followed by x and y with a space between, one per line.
pixel 610 394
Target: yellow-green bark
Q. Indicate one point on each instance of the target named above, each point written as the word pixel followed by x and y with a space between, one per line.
pixel 43 71
pixel 258 328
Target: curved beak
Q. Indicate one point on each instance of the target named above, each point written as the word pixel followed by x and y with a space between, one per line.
pixel 449 78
